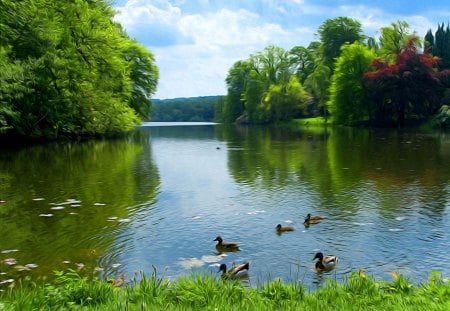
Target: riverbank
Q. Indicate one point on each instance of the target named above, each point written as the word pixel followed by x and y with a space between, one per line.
pixel 203 292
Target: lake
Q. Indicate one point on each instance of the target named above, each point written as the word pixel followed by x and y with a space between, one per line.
pixel 159 197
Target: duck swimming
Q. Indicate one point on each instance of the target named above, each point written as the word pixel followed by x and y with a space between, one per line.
pixel 325 263
pixel 311 220
pixel 222 245
pixel 234 272
pixel 281 228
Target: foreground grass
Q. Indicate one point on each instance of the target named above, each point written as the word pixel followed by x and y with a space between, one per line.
pixel 202 292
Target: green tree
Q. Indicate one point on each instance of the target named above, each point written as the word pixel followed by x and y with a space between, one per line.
pixel 441 45
pixel 269 67
pixel 75 70
pixel 317 84
pixel 233 105
pixel 334 33
pixel 287 101
pixel 348 103
pixel 393 38
pixel 302 62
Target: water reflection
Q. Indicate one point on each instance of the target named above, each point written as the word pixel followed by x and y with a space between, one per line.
pixel 159 197
pixel 66 203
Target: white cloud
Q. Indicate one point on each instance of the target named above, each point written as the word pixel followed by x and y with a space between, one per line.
pixel 217 39
pixel 196 42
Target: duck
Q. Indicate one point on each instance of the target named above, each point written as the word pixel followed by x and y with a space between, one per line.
pixel 325 263
pixel 119 282
pixel 311 220
pixel 281 228
pixel 235 272
pixel 221 244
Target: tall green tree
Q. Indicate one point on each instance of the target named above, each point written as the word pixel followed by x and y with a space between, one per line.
pixel 268 67
pixel 393 38
pixel 440 46
pixel 317 84
pixel 302 62
pixel 286 101
pixel 348 103
pixel 78 73
pixel 233 106
pixel 334 33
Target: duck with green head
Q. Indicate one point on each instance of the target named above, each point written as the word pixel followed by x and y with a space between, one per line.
pixel 239 271
pixel 325 263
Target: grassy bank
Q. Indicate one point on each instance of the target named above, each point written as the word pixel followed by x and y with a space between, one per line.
pixel 202 292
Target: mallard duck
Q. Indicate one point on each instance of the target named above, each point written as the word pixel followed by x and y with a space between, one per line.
pixel 221 244
pixel 281 228
pixel 234 272
pixel 311 220
pixel 119 281
pixel 325 262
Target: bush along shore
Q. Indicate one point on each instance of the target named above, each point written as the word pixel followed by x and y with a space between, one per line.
pixel 359 291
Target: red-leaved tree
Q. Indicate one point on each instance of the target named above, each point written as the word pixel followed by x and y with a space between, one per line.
pixel 405 90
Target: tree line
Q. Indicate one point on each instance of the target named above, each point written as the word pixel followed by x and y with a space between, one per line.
pixel 192 109
pixel 347 77
pixel 67 69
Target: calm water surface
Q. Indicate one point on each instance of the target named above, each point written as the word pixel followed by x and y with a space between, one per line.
pixel 160 197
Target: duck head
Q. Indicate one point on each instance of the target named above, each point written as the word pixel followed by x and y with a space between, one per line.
pixel 223 268
pixel 319 255
pixel 218 239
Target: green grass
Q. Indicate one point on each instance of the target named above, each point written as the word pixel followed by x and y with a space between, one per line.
pixel 204 292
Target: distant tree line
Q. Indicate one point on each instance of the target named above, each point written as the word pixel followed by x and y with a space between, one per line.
pixel 67 69
pixel 192 109
pixel 347 77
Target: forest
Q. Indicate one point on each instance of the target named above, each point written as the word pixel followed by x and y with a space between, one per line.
pixel 346 77
pixel 191 109
pixel 68 70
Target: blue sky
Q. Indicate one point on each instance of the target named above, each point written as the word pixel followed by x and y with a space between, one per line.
pixel 195 42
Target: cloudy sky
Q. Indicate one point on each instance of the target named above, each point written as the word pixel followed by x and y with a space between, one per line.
pixel 195 42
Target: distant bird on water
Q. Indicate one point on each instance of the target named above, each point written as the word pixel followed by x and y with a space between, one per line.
pixel 281 229
pixel 325 263
pixel 227 246
pixel 235 272
pixel 311 220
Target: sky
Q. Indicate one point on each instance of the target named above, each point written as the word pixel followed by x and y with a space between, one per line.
pixel 195 42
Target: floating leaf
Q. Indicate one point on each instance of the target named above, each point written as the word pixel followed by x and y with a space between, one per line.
pixel 6 251
pixel 46 215
pixel 57 208
pixel 10 261
pixel 31 265
pixel 7 281
pixel 73 201
pixel 21 268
